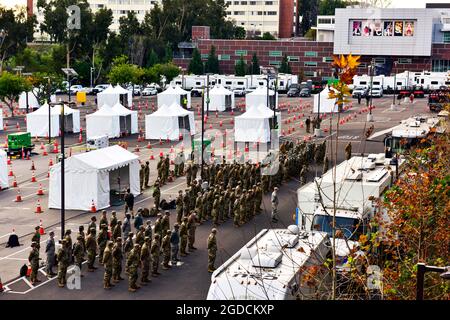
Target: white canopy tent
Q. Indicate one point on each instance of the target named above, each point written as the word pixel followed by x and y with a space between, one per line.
pixel 3 170
pixel 1 118
pixel 113 95
pixel 221 99
pixel 91 176
pixel 38 121
pixel 327 105
pixel 32 101
pixel 174 95
pixel 128 118
pixel 169 122
pixel 255 124
pixel 258 97
pixel 105 121
pixel 71 118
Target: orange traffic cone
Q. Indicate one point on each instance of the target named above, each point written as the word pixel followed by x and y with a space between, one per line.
pixel 15 182
pixel 136 149
pixel 80 138
pixel 38 207
pixel 33 177
pixel 160 141
pixel 1 285
pixel 45 153
pixel 11 173
pixel 8 162
pixel 93 208
pixel 42 146
pixel 41 228
pixel 32 165
pixel 152 157
pixel 50 162
pixel 149 146
pixel 18 197
pixel 40 192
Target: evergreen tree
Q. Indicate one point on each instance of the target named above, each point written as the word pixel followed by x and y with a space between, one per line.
pixel 254 67
pixel 240 68
pixel 153 59
pixel 212 64
pixel 285 67
pixel 168 56
pixel 196 64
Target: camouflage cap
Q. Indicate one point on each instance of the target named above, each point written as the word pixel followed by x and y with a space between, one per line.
pixel 136 245
pixel 118 239
pixel 147 239
pixel 168 232
pixel 157 236
pixel 130 234
pixel 214 230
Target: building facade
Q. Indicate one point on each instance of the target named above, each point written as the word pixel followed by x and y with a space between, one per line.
pixel 396 40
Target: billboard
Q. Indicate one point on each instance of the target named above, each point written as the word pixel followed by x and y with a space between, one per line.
pixel 382 28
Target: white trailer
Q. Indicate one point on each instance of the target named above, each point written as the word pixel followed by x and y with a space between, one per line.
pixel 272 265
pixel 189 82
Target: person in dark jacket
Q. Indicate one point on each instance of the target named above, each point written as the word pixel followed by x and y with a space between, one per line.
pixel 175 243
pixel 138 221
pixel 129 202
pixel 126 226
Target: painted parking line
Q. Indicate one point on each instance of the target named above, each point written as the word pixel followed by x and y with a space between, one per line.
pixel 20 251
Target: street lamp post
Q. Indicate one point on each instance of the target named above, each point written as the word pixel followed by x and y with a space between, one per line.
pixel 421 270
pixel 70 73
pixel 371 70
pixel 395 85
pixel 317 131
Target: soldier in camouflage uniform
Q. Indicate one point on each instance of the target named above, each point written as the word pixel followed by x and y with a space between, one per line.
pixel 67 236
pixel 108 264
pixel 199 207
pixel 102 240
pixel 141 177
pixel 191 225
pixel 179 206
pixel 104 219
pixel 155 250
pixel 148 230
pixel 146 260
pixel 146 174
pixel 117 231
pixel 78 252
pixel 37 238
pixel 92 225
pixel 83 237
pixel 236 211
pixel 128 246
pixel 186 204
pixel 132 265
pixel 183 236
pixel 159 167
pixel 212 250
pixel 303 173
pixel 158 227
pixel 165 247
pixel 165 223
pixel 91 247
pixel 215 211
pixel 140 236
pixel 188 173
pixel 63 263
pixel 157 195
pixel 166 168
pixel 33 259
pixel 113 221
pixel 117 255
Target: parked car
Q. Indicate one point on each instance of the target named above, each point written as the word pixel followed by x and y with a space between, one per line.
pixel 293 92
pixel 359 91
pixel 149 91
pixel 75 88
pixel 305 92
pixel 376 92
pixel 99 88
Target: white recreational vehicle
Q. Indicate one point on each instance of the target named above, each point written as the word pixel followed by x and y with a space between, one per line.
pixel 357 180
pixel 271 267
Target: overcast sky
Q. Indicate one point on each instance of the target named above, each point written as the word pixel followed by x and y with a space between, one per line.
pixel 395 3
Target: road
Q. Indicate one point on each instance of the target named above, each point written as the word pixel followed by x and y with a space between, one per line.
pixel 190 280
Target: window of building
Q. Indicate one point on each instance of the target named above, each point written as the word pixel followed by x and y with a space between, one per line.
pixel 275 54
pixel 236 3
pixel 253 3
pixel 243 3
pixel 404 60
pixel 309 73
pixel 440 65
pixel 446 37
pixel 260 13
pixel 224 57
pixel 327 59
pixel 293 59
pixel 310 64
pixel 204 56
pixel 380 60
pixel 271 13
pixel 310 54
pixel 236 61
pixel 240 53
pixel 269 3
pixel 100 6
pixel 274 63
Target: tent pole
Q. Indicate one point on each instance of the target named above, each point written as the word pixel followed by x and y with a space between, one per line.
pixel 62 174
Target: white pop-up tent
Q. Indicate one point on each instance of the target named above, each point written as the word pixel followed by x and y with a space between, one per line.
pixel 327 105
pixel 255 124
pixel 258 97
pixel 91 176
pixel 1 118
pixel 128 119
pixel 103 122
pixel 174 95
pixel 169 122
pixel 38 121
pixel 113 95
pixel 3 170
pixel 220 99
pixel 33 103
pixel 71 118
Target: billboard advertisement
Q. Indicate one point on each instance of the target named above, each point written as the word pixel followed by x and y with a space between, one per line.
pixel 382 28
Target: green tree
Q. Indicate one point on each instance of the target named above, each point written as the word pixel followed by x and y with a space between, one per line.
pixel 308 10
pixel 212 64
pixel 241 67
pixel 311 34
pixel 239 33
pixel 11 86
pixel 254 67
pixel 168 54
pixel 267 36
pixel 123 72
pixel 285 67
pixel 327 7
pixel 167 70
pixel 153 58
pixel 196 64
pixel 45 84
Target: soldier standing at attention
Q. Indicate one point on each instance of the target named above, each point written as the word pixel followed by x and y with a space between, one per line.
pixel 145 260
pixel 78 252
pixel 165 222
pixel 274 200
pixel 92 225
pixel 117 260
pixel 348 151
pixel 157 195
pixel 113 222
pixel 83 238
pixel 63 263
pixel 140 236
pixel 199 207
pixel 183 237
pixel 141 177
pixel 188 174
pixel 166 250
pixel 166 168
pixel 33 259
pixel 91 247
pixel 69 243
pixel 179 206
pixel 192 225
pixel 102 240
pixel 155 250
pixel 159 167
pixel 146 174
pixel 212 250
pixel 148 230
pixel 215 211
pixel 108 264
pixel 50 251
pixel 175 243
pixel 117 232
pixel 37 238
pixel 133 262
pixel 103 219
pixel 158 226
pixel 128 246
